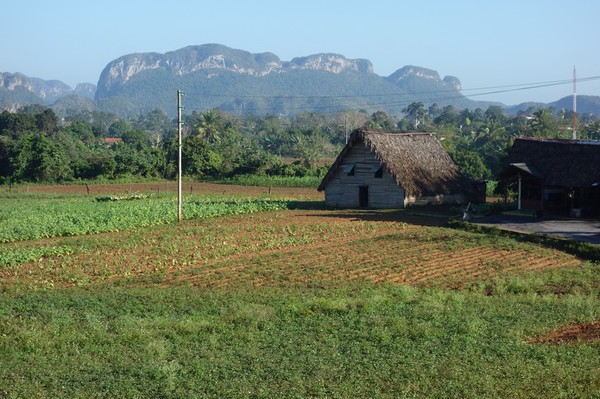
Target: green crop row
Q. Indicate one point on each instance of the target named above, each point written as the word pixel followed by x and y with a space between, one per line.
pixel 274 181
pixel 70 216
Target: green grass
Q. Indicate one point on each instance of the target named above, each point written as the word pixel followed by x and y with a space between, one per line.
pixel 358 341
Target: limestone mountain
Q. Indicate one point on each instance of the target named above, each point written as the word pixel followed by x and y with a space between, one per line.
pixel 17 90
pixel 214 75
pixel 217 58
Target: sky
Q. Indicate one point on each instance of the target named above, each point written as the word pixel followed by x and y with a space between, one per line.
pixel 501 48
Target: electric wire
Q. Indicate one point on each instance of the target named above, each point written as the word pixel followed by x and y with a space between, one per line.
pixel 436 96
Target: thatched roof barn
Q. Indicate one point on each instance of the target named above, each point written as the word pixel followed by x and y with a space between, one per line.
pixel 555 176
pixel 379 169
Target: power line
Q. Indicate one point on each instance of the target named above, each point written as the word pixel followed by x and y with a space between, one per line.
pixel 508 88
pixel 341 107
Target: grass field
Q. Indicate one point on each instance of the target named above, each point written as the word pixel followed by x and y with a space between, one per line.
pixel 280 302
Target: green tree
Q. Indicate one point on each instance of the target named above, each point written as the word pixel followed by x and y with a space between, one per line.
pixel 136 138
pixel 471 164
pixel 119 128
pixel 492 143
pixel 380 120
pixel 543 124
pixel 46 121
pixel 132 161
pixel 41 160
pixel 496 114
pixel 7 151
pixel 210 125
pixel 198 159
pixel 157 126
pixel 101 122
pixel 415 112
pixel 16 125
pixel 80 130
pixel 95 163
pixel 448 116
pixel 591 130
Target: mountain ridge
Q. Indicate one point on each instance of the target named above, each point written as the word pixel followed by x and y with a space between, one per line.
pixel 216 57
pixel 217 76
pixel 238 81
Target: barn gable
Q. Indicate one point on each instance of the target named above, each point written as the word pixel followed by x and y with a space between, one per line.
pixel 394 170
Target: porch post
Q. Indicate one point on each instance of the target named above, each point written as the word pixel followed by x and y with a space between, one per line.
pixel 519 196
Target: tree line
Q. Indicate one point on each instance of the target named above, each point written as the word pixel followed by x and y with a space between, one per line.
pixel 37 146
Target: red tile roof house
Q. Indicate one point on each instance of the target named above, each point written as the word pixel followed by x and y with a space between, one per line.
pixel 112 140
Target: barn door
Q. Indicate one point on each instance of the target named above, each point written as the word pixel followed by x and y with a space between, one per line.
pixel 363 196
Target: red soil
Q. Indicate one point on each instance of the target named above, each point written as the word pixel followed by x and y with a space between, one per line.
pixel 571 334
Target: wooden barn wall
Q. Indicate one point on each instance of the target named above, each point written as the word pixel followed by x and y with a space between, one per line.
pixel 342 191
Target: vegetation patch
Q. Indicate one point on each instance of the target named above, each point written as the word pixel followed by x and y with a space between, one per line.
pixel 77 215
pixel 128 197
pixel 274 181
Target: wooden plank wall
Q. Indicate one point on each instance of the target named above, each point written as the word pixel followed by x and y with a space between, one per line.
pixel 342 190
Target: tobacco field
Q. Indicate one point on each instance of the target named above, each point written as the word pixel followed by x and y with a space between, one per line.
pixel 274 296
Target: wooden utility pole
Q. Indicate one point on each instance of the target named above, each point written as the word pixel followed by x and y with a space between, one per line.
pixel 179 123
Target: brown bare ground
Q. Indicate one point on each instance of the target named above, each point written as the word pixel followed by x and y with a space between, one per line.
pixel 288 248
pixel 171 187
pixel 581 333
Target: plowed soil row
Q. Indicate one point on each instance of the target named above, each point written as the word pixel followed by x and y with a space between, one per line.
pixel 288 248
pixel 392 259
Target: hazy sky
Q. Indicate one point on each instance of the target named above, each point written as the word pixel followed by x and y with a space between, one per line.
pixel 485 44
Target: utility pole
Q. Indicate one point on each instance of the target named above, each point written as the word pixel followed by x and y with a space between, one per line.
pixel 179 123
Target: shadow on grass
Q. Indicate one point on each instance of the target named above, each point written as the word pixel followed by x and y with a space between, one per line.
pixel 447 217
pixel 307 205
pixel 583 250
pixel 389 215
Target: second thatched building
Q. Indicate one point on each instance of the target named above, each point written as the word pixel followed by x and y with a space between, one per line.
pixel 379 169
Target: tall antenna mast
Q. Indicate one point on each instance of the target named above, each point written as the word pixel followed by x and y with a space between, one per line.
pixel 574 104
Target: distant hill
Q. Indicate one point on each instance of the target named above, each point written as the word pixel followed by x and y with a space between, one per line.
pixel 17 89
pixel 216 76
pixel 213 76
pixel 585 105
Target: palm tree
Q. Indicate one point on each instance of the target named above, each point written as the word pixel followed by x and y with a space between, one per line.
pixel 210 125
pixel 543 124
pixel 415 111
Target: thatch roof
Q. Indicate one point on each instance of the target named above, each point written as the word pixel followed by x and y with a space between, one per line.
pixel 563 163
pixel 417 162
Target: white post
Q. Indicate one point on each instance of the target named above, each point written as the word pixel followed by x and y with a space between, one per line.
pixel 179 156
